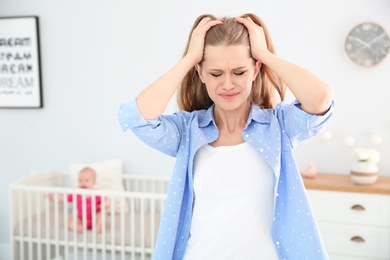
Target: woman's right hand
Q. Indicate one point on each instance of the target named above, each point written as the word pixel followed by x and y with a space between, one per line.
pixel 154 99
pixel 256 36
pixel 196 46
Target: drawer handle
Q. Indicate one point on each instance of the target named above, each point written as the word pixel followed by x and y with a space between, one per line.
pixel 358 207
pixel 357 239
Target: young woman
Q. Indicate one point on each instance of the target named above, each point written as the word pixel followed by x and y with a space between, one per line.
pixel 236 191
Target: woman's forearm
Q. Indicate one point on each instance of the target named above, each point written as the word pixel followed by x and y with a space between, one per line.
pixel 154 99
pixel 314 95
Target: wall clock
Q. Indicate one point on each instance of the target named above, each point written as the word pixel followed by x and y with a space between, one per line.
pixel 367 44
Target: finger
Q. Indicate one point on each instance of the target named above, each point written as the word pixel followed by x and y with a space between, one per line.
pixel 212 23
pixel 250 20
pixel 240 20
pixel 247 21
pixel 204 21
pixel 207 20
pixel 205 24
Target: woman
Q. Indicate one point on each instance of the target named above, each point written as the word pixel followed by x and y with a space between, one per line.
pixel 236 192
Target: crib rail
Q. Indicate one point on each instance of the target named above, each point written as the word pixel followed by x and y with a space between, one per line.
pixel 40 227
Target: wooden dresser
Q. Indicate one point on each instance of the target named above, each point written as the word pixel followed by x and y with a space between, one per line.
pixel 354 220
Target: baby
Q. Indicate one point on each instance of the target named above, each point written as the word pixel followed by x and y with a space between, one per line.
pixel 86 180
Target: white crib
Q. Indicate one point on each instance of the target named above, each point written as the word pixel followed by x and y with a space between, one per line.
pixel 39 227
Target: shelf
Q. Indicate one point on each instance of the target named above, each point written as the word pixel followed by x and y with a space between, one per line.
pixel 343 182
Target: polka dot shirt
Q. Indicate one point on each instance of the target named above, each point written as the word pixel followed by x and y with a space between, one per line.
pixel 274 133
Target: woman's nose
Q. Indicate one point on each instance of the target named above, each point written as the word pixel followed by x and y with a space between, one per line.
pixel 227 83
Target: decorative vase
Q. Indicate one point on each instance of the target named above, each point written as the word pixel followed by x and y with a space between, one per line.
pixel 364 173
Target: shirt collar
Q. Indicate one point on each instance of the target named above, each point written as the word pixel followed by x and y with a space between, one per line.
pixel 207 118
pixel 257 114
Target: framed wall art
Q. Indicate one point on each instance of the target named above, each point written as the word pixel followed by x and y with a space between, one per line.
pixel 20 71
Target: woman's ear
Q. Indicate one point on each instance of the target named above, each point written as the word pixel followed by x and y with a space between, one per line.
pixel 257 69
pixel 198 69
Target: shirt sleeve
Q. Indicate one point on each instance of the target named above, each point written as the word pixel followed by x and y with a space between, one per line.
pixel 162 133
pixel 300 125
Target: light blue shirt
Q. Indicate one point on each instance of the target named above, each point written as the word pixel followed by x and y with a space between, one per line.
pixel 274 133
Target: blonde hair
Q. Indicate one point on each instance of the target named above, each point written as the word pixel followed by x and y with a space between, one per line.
pixel 192 95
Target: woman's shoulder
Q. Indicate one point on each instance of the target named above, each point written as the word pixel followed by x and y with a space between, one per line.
pixel 266 115
pixel 201 115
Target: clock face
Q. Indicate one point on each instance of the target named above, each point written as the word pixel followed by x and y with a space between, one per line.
pixel 367 44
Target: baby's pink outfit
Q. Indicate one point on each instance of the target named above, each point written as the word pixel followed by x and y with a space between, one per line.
pixel 88 208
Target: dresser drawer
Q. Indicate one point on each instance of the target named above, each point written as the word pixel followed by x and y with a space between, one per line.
pixel 350 207
pixel 359 241
pixel 344 257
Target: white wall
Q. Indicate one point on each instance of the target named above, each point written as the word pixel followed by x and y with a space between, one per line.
pixel 97 54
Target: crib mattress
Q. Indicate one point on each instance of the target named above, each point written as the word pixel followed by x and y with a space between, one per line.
pixel 113 229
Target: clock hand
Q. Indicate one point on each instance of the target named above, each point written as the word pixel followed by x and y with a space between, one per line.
pixel 377 38
pixel 365 44
pixel 368 44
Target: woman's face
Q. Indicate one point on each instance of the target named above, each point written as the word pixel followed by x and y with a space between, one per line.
pixel 228 73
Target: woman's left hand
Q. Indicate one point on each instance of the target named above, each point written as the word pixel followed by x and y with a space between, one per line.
pixel 256 37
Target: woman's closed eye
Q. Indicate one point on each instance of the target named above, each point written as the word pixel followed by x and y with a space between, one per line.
pixel 216 75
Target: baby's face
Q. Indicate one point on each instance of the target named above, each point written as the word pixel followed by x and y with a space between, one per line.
pixel 86 179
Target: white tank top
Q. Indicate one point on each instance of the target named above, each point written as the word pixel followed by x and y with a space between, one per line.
pixel 232 214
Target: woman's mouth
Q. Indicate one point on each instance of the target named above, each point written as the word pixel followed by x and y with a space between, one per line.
pixel 229 96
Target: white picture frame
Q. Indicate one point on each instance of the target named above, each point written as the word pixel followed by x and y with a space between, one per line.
pixel 20 69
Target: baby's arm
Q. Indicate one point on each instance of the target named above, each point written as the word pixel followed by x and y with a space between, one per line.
pixel 107 202
pixel 51 197
pixel 99 201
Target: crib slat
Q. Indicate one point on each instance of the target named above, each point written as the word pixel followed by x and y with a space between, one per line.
pixel 113 229
pixel 47 230
pixel 122 225
pixel 39 235
pixel 154 186
pixel 94 226
pixel 66 225
pixel 56 224
pixel 103 234
pixel 132 227
pixel 21 232
pixel 152 219
pixel 12 219
pixel 29 225
pixel 74 227
pixel 142 224
pixel 84 224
